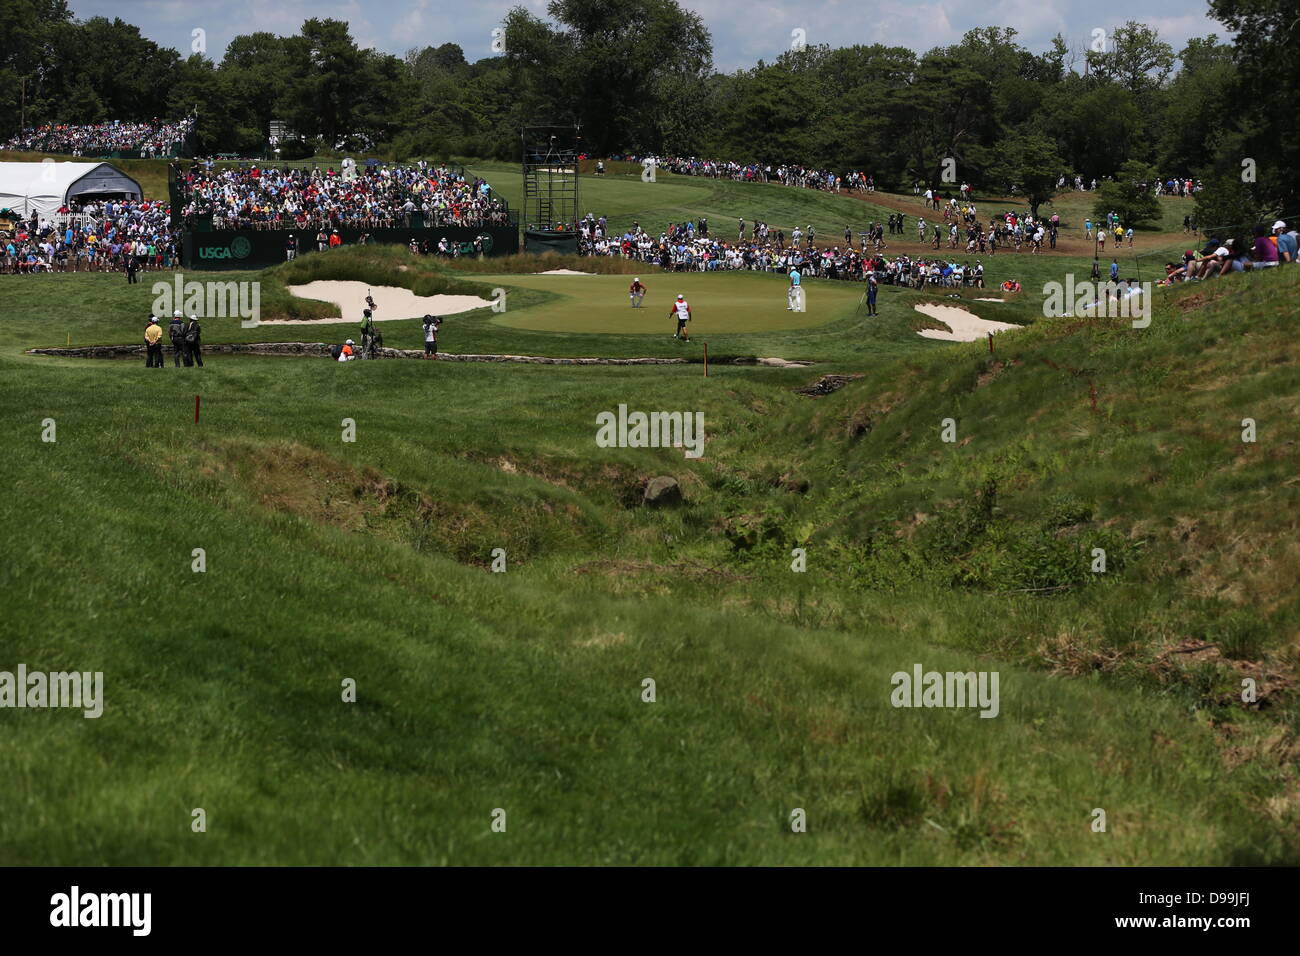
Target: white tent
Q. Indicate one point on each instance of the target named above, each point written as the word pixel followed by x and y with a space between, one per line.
pixel 41 188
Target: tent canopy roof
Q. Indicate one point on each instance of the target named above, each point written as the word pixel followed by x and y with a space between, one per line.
pixel 43 187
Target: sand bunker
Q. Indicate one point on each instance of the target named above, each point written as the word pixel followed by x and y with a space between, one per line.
pixel 391 302
pixel 965 327
pixel 990 300
pixel 562 272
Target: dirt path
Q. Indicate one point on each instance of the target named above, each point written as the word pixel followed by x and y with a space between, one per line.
pixel 1072 243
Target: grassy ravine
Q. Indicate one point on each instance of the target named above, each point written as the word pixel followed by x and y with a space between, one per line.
pixel 522 690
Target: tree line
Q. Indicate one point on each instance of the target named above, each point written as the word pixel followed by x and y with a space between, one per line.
pixel 638 76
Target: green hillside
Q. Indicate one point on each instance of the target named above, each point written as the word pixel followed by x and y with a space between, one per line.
pixel 914 559
pixel 522 690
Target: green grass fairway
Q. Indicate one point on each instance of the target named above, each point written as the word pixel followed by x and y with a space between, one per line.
pixel 822 546
pixel 101 309
pixel 626 199
pixel 329 560
pixel 731 302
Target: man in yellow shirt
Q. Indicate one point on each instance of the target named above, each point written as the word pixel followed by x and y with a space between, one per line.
pixel 153 355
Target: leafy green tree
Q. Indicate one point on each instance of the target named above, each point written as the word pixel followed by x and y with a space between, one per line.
pixel 637 75
pixel 130 74
pixel 447 60
pixel 1131 195
pixel 27 70
pixel 445 114
pixel 1193 116
pixel 612 66
pixel 766 120
pixel 994 54
pixel 1049 67
pixel 253 79
pixel 854 131
pixel 1262 101
pixel 1135 58
pixel 1227 208
pixel 382 108
pixel 326 70
pixel 1032 165
pixel 944 111
pixel 1097 129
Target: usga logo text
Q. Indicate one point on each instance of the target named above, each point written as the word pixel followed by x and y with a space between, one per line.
pixel 653 430
pixel 239 248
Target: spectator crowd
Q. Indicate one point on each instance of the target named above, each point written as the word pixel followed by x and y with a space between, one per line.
pixel 782 173
pixel 149 140
pixel 371 197
pixel 690 247
pixel 955 228
pixel 109 236
pixel 1269 248
pixel 1174 186
pixel 829 180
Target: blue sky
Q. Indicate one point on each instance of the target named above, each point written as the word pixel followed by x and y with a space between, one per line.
pixel 743 30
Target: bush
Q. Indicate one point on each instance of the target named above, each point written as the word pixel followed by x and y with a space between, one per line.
pixel 293 150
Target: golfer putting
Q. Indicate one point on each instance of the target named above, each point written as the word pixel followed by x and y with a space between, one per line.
pixel 636 292
pixel 682 311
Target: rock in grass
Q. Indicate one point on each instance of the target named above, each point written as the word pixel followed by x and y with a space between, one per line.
pixel 662 491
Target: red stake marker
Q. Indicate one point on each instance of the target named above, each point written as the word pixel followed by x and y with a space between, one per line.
pixel 990 343
pixel 706 359
pixel 196 409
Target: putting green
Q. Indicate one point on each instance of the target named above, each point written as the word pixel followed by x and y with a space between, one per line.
pixel 720 302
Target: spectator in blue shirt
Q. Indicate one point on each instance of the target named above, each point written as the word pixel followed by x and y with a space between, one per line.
pixel 1286 243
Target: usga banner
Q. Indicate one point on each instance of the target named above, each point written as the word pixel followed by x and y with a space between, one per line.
pixel 260 249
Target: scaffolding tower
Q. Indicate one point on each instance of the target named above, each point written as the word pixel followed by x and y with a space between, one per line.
pixel 550 164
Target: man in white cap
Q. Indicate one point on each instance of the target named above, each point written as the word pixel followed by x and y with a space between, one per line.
pixel 794 294
pixel 1217 263
pixel 194 342
pixel 176 332
pixel 1286 243
pixel 681 310
pixel 636 292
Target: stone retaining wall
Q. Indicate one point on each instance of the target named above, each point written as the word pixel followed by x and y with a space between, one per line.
pixel 322 350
